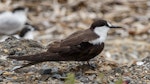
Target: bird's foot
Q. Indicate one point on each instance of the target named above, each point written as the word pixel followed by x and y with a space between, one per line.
pixel 91 65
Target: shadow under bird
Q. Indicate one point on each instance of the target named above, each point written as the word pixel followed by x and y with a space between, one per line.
pixel 11 22
pixel 79 46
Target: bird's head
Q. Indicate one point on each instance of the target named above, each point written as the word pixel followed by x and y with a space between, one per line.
pixel 20 13
pixel 102 24
pixel 100 28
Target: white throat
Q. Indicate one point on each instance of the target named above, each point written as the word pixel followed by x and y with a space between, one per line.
pixel 102 33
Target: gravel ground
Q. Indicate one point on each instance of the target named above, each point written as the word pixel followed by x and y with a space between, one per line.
pixel 125 59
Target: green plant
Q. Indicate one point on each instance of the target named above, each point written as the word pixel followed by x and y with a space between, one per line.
pixel 70 78
pixel 119 81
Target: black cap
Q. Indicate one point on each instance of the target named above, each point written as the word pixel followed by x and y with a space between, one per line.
pixel 100 23
pixel 18 9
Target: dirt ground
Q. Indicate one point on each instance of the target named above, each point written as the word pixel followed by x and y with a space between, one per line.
pixel 126 56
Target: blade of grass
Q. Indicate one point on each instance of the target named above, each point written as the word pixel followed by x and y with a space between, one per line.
pixel 70 78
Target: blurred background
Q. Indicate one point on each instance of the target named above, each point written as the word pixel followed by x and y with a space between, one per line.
pixel 56 19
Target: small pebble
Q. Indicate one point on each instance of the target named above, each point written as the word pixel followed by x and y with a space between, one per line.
pixel 46 71
pixel 1 79
pixel 139 63
pixel 1 72
pixel 57 76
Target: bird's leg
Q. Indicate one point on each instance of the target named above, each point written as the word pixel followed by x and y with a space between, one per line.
pixel 92 66
pixel 88 62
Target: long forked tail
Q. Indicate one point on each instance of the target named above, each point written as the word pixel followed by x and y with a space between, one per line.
pixel 38 57
pixel 24 65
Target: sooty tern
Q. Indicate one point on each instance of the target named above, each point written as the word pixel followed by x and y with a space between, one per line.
pixel 79 46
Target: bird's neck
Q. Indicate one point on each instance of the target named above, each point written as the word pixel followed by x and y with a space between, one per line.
pixel 102 33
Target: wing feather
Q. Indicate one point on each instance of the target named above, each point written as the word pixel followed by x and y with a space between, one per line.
pixel 79 37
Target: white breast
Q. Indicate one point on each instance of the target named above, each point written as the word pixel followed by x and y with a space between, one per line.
pixel 102 33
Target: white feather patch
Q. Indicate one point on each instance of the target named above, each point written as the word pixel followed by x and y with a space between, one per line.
pixel 102 33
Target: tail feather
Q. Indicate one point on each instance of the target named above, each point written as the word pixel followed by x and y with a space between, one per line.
pixel 24 65
pixel 38 57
